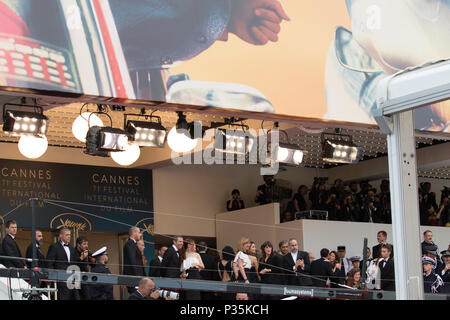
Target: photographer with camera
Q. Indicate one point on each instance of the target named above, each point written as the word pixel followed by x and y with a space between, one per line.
pixel 429 197
pixel 370 210
pixel 268 192
pixel 235 203
pixel 317 193
pixel 351 211
pixel 444 208
pixel 334 207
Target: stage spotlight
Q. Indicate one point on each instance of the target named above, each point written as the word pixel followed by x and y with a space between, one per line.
pixel 100 140
pixel 233 141
pixel 182 125
pixel 288 154
pixel 19 123
pixel 147 134
pixel 340 152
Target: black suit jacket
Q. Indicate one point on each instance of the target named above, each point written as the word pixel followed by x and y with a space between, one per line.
pixel 39 255
pixel 323 270
pixel 137 296
pixel 57 257
pixel 297 278
pixel 171 263
pixel 155 268
pixel 132 259
pixel 11 249
pixel 210 266
pixel 376 251
pixel 387 275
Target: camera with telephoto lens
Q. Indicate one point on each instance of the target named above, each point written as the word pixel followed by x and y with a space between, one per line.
pixel 169 294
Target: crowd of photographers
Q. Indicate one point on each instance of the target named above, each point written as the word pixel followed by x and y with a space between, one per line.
pixel 359 202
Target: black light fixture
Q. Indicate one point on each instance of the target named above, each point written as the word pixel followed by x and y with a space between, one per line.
pixel 19 123
pixel 285 153
pixel 339 148
pixel 101 140
pixel 239 142
pixel 146 133
pixel 182 125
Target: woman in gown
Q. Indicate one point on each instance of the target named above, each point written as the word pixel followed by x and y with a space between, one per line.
pixel 190 268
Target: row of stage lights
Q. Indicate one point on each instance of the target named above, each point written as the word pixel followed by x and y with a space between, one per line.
pixel 123 145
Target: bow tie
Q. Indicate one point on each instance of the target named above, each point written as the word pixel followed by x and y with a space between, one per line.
pixel 65 245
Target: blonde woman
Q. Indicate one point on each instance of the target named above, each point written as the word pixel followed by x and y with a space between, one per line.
pixel 190 267
pixel 242 263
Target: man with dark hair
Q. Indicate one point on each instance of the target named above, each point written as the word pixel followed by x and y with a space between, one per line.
pixel 82 253
pixel 210 268
pixel 208 261
pixel 299 200
pixel 145 291
pixel 297 266
pixel 155 264
pixel 381 238
pixel 10 247
pixel 60 256
pixel 322 269
pixel 171 263
pixel 386 265
pixel 39 255
pixel 235 203
pixel 132 256
pixel 284 247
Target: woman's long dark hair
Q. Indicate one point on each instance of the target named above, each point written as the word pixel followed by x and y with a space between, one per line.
pixel 184 248
pixel 263 252
pixel 228 253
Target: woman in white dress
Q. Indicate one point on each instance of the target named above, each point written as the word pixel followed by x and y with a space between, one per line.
pixel 242 263
pixel 190 267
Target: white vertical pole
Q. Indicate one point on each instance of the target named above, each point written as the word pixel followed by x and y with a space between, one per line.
pixel 405 208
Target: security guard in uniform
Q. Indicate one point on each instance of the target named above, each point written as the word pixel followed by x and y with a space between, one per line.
pixel 101 291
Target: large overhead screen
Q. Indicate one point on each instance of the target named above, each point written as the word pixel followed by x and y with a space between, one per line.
pixel 319 60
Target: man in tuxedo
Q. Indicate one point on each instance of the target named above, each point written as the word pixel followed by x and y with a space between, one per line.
pixel 171 263
pixel 386 265
pixel 381 238
pixel 39 254
pixel 132 256
pixel 210 268
pixel 155 264
pixel 298 262
pixel 321 269
pixel 145 291
pixel 60 256
pixel 345 262
pixel 10 247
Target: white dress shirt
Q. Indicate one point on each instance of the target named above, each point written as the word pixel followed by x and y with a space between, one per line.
pixel 67 250
pixel 176 250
